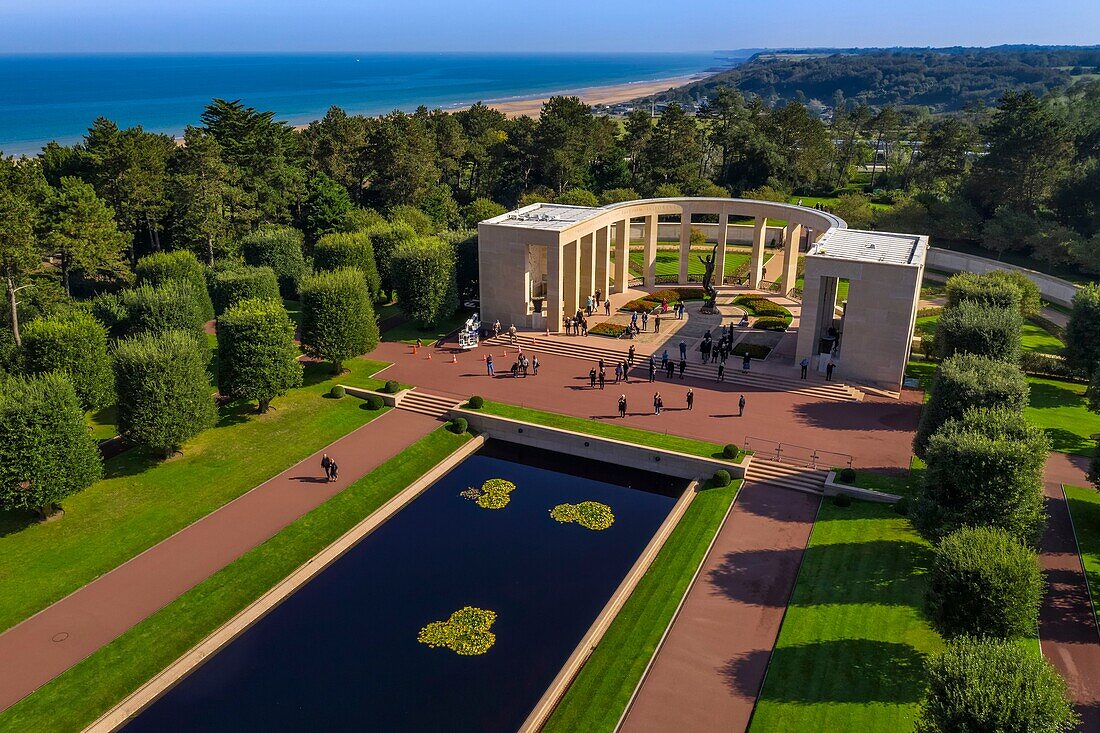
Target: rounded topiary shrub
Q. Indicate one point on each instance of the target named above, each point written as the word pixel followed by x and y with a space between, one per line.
pixel 976 328
pixel 374 402
pixel 721 477
pixel 392 387
pixel 729 451
pixel 74 343
pixel 847 475
pixel 242 282
pixel 983 685
pixel 280 248
pixel 458 426
pixel 476 402
pixel 336 392
pixel 181 264
pixel 984 583
pixel 842 500
pixel 338 320
pixel 342 250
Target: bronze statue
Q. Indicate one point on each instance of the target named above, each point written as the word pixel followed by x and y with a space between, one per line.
pixel 708 276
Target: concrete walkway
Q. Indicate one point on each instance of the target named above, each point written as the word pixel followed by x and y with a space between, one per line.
pixel 707 672
pixel 53 640
pixel 1067 622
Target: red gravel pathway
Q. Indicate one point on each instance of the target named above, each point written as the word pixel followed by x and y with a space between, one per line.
pixel 61 635
pixel 708 670
pixel 1067 623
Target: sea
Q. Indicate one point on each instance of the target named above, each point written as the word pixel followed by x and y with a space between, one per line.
pixel 56 97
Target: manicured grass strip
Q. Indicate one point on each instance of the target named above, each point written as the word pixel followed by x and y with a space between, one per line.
pixel 1061 410
pixel 888 483
pixel 1034 337
pixel 409 331
pixel 103 424
pixel 602 689
pixel 142 500
pixel 89 689
pixel 1084 507
pixel 668 263
pixel 851 651
pixel 608 430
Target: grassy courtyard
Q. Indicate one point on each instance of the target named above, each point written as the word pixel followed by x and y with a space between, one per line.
pixel 599 694
pixel 142 499
pixel 1060 409
pixel 851 650
pixel 607 430
pixel 668 262
pixel 84 692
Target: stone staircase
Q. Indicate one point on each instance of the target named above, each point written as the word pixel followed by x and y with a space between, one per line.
pixel 786 475
pixel 588 349
pixel 426 404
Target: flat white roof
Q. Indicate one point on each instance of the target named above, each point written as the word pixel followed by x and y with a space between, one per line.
pixel 862 246
pixel 546 216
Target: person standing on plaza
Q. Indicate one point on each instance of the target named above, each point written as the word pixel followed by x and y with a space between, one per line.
pixel 664 358
pixel 630 355
pixel 656 403
pixel 622 405
pixel 829 371
pixel 652 370
pixel 607 307
pixel 603 378
pixel 626 373
pixel 535 365
pixel 512 333
pixel 741 406
pixel 496 328
pixel 633 319
pixel 746 360
pixel 618 372
pixel 670 369
pixel 704 348
pixel 489 365
pixel 721 372
pixel 592 378
pixel 683 366
pixel 656 323
pixel 645 320
pixel 683 350
pixel 599 364
pixel 804 365
pixel 690 399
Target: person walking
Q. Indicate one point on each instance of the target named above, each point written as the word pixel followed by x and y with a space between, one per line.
pixel 645 320
pixel 741 406
pixel 656 323
pixel 683 350
pixel 326 464
pixel 618 372
pixel 535 365
pixel 829 371
pixel 630 355
pixel 690 398
pixel 804 365
pixel 599 364
pixel 496 328
pixel 622 405
pixel 512 333
pixel 515 369
pixel 705 350
pixel 626 373
pixel 592 378
pixel 603 378
pixel 721 372
pixel 683 366
pixel 660 403
pixel 607 307
pixel 656 403
pixel 333 470
pixel 745 361
pixel 652 370
pixel 489 365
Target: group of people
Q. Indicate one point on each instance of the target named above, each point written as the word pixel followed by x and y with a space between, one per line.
pixel 331 468
pixel 592 303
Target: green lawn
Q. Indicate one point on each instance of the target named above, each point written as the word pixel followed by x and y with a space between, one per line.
pixel 143 500
pixel 1084 507
pixel 901 485
pixel 1060 409
pixel 841 288
pixel 668 262
pixel 408 332
pixel 831 201
pixel 1034 337
pixel 599 694
pixel 103 424
pixel 294 310
pixel 851 651
pixel 89 689
pixel 607 430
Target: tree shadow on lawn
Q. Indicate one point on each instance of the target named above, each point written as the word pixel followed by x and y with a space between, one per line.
pixel 842 671
pixel 1064 441
pixel 859 415
pixel 14 521
pixel 842 573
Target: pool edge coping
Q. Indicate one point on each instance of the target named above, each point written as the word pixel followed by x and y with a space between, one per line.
pixel 131 705
pixel 565 677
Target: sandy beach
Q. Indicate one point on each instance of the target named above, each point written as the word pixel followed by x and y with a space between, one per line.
pixel 592 95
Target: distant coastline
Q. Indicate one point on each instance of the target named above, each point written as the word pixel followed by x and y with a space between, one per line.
pixel 44 98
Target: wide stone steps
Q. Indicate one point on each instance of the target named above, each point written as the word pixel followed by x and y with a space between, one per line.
pixel 426 404
pixel 786 475
pixel 586 350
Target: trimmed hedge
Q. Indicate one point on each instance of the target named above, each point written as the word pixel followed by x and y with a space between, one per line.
pixel 757 305
pixel 986 685
pixel 241 283
pixel 984 469
pixel 977 328
pixel 279 248
pixel 74 343
pixel 423 272
pixel 730 451
pixel 614 330
pixel 385 240
pixel 170 306
pixel 181 264
pixel 984 583
pixel 1083 330
pixel 353 250
pixel 337 392
pixel 392 386
pixel 257 358
pixel 771 323
pixel 458 426
pixel 982 290
pixel 964 381
pixel 338 320
pixel 721 478
pixel 374 402
pixel 476 402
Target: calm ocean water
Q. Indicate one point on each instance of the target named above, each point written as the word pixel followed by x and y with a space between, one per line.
pixel 45 98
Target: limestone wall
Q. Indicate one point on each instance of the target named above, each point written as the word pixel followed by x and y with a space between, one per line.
pixel 1053 289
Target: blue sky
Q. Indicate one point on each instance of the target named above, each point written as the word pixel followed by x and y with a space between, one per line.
pixel 521 25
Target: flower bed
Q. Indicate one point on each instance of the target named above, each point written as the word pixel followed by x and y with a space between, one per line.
pixel 592 515
pixel 613 330
pixel 466 632
pixel 648 302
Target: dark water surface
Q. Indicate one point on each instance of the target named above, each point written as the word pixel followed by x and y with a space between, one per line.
pixel 341 654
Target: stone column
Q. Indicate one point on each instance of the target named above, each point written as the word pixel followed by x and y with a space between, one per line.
pixel 603 259
pixel 588 267
pixel 649 256
pixel 571 276
pixel 759 241
pixel 723 235
pixel 790 254
pixel 554 294
pixel 685 246
pixel 622 254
